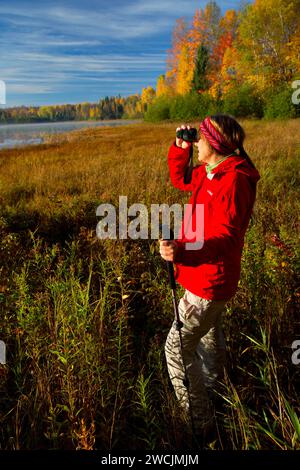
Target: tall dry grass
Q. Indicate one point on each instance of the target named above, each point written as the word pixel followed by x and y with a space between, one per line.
pixel 85 320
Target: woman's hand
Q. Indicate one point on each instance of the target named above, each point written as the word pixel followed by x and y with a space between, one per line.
pixel 180 142
pixel 168 249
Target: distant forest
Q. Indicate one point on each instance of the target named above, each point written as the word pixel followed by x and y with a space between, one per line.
pixel 107 108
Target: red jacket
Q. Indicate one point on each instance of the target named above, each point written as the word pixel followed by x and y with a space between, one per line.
pixel 228 195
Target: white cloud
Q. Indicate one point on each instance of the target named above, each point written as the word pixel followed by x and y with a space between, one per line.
pixel 35 89
pixel 104 41
pixel 87 23
pixel 42 72
pixel 169 8
pixel 72 43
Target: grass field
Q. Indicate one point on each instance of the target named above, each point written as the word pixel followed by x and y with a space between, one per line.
pixel 85 320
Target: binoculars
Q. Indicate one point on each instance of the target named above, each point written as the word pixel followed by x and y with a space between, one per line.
pixel 188 135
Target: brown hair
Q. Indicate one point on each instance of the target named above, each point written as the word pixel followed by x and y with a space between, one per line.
pixel 232 131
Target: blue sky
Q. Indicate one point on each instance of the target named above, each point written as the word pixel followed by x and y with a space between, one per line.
pixel 71 51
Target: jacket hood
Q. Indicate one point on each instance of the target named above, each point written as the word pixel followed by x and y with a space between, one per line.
pixel 237 164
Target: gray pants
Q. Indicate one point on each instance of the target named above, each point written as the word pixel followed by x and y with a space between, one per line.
pixel 204 354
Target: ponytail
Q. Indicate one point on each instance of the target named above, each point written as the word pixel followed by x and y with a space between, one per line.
pixel 245 155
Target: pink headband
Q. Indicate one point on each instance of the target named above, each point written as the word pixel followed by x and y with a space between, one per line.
pixel 216 140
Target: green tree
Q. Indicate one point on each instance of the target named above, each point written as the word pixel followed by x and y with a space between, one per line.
pixel 200 81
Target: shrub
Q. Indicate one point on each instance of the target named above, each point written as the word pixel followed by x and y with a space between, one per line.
pixel 243 102
pixel 190 106
pixel 158 110
pixel 181 107
pixel 279 105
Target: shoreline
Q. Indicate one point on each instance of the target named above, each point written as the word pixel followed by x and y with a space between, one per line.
pixel 50 123
pixel 28 134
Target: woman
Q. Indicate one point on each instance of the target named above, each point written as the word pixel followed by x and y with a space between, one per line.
pixel 225 184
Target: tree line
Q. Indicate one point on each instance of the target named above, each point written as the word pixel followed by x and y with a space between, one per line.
pixel 107 108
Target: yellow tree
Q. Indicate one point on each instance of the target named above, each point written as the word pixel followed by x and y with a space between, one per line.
pixel 230 72
pixel 293 51
pixel 266 33
pixel 92 113
pixel 148 95
pixel 185 72
pixel 179 39
pixel 163 87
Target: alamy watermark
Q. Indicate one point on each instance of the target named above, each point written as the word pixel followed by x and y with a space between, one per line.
pixel 296 94
pixel 119 223
pixel 2 92
pixel 296 353
pixel 2 353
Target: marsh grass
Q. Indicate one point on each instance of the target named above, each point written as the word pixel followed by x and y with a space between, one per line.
pixel 85 320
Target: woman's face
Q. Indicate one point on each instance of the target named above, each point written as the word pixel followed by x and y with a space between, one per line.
pixel 204 150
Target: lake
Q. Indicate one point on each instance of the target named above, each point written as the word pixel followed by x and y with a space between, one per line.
pixel 13 135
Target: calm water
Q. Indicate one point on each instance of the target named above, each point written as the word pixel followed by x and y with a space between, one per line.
pixel 13 135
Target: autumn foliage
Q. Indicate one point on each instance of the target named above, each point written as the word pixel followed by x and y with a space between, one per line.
pixel 256 49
